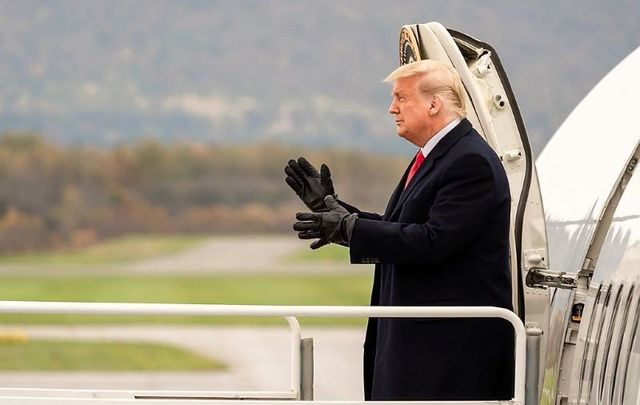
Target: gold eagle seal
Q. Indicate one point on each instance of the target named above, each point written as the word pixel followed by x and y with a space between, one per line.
pixel 409 50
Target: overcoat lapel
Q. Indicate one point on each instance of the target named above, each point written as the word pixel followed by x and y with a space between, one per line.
pixel 391 205
pixel 401 194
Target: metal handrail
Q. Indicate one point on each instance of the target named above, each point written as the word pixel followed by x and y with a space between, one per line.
pixel 288 312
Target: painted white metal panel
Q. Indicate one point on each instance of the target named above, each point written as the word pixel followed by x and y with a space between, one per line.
pixel 631 391
pixel 578 171
pixel 626 369
pixel 620 255
pixel 493 111
pixel 619 263
pixel 581 163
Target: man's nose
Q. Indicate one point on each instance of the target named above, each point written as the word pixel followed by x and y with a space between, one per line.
pixel 393 108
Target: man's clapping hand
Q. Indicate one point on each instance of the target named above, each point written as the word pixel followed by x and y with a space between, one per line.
pixel 309 184
pixel 333 226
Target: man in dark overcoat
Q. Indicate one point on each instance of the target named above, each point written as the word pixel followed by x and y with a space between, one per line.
pixel 443 241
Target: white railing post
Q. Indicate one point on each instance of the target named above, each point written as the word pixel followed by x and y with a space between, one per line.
pixel 296 364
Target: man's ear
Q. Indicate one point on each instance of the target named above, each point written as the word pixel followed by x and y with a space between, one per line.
pixel 435 105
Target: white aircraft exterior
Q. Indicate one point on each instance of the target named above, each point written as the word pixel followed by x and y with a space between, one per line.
pixel 575 262
pixel 592 207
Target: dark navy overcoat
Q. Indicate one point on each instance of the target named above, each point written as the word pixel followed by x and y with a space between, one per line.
pixel 443 241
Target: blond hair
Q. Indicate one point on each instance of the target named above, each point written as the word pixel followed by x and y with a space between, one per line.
pixel 438 78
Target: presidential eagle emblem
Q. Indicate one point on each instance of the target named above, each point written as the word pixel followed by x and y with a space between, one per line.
pixel 409 50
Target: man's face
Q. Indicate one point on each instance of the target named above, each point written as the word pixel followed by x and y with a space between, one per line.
pixel 410 110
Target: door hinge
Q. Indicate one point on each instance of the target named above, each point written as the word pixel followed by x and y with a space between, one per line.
pixel 483 65
pixel 513 154
pixel 542 278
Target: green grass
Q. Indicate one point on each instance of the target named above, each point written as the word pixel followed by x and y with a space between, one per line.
pixel 327 254
pixel 109 252
pixel 60 355
pixel 271 289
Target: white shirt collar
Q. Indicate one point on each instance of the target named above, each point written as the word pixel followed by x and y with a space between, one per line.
pixel 428 147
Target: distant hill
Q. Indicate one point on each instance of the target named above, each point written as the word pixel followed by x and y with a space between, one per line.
pixel 52 196
pixel 301 72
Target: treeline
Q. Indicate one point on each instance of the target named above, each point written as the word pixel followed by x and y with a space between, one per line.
pixel 53 196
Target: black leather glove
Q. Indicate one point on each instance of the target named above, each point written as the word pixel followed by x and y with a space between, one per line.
pixel 312 187
pixel 335 226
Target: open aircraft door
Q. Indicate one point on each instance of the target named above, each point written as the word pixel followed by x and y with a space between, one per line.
pixel 494 113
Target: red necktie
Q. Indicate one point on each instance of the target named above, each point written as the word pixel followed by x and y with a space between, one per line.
pixel 414 168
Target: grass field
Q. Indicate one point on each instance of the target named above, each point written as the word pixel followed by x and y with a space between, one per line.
pixel 49 284
pixel 348 288
pixel 110 252
pixel 273 289
pixel 61 355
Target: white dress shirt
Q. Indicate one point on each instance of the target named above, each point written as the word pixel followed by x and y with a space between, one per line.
pixel 428 147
